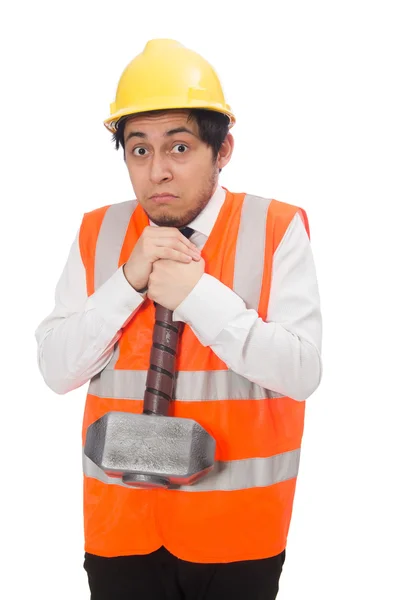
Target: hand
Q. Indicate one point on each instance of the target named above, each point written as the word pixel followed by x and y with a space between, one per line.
pixel 157 243
pixel 170 282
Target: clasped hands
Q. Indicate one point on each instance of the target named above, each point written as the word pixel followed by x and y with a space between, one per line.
pixel 165 262
pixel 171 281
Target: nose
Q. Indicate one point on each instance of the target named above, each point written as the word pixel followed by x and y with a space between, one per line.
pixel 160 170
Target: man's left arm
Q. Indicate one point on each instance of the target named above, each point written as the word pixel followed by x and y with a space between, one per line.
pixel 283 353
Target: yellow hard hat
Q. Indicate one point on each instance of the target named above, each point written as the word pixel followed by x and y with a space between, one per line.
pixel 166 75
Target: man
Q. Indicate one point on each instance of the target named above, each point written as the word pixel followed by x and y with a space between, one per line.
pixel 244 286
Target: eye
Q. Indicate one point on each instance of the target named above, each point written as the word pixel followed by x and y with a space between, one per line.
pixel 139 151
pixel 180 148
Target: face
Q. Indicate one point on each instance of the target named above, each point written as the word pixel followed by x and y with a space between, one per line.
pixel 172 171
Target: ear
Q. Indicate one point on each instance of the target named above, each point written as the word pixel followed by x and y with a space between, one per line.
pixel 226 151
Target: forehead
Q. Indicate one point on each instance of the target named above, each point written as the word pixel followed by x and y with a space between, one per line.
pixel 158 124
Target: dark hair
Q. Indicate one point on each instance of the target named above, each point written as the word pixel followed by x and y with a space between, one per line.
pixel 213 127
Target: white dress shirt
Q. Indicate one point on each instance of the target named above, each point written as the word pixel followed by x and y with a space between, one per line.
pixel 282 354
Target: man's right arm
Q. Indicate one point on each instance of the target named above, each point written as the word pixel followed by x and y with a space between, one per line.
pixel 76 341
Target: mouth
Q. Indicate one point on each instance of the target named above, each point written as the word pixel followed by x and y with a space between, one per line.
pixel 160 198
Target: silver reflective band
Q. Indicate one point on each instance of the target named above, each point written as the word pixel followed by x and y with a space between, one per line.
pixel 111 239
pixel 250 250
pixel 190 386
pixel 228 475
pixel 108 248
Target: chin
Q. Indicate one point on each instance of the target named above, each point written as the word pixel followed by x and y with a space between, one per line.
pixel 162 219
pixel 178 223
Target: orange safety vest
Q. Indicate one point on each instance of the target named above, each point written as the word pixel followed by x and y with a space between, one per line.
pixel 242 509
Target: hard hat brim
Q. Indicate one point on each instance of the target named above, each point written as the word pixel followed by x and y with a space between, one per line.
pixel 111 122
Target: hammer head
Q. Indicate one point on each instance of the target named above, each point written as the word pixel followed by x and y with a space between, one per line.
pixel 150 450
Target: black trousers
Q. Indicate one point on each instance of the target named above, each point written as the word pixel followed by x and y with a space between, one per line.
pixel 162 576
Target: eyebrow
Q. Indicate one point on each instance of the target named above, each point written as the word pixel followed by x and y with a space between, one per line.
pixel 169 133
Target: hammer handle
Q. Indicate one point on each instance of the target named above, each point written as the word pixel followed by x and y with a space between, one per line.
pixel 161 373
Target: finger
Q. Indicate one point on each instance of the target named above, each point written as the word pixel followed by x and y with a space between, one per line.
pixel 169 232
pixel 179 245
pixel 172 254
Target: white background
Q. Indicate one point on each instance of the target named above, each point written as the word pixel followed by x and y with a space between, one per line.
pixel 313 85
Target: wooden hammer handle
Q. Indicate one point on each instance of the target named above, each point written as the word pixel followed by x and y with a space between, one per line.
pixel 161 373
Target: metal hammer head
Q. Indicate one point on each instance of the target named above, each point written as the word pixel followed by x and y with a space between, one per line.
pixel 150 450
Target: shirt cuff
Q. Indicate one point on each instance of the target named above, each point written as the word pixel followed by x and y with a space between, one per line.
pixel 116 300
pixel 209 308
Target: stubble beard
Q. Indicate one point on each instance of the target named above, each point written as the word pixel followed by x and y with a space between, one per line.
pixel 203 196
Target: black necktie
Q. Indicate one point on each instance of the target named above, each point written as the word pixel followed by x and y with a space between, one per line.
pixel 187 231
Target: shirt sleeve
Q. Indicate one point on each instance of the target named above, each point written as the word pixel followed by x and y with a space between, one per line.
pixel 283 353
pixel 76 341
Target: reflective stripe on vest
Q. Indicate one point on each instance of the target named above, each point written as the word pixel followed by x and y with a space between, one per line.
pixel 190 386
pixel 251 241
pixel 110 240
pixel 107 253
pixel 226 475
